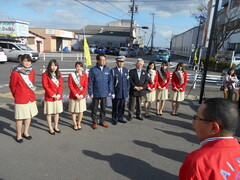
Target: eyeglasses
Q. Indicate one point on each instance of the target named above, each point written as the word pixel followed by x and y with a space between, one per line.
pixel 197 118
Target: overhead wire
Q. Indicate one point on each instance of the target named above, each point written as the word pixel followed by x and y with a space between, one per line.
pixel 96 10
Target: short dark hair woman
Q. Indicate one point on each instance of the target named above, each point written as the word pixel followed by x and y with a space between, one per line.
pixel 22 88
pixel 78 85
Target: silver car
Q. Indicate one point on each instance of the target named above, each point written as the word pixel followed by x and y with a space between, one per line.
pixel 15 50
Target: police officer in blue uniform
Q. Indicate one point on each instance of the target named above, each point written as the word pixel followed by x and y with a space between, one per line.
pixel 120 82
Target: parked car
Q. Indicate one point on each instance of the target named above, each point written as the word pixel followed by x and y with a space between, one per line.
pixel 92 48
pixel 236 60
pixel 123 51
pixel 100 50
pixel 113 51
pixel 133 52
pixel 15 50
pixel 236 69
pixel 3 57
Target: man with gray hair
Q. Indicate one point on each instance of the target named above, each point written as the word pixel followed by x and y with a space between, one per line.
pixel 138 82
pixel 219 156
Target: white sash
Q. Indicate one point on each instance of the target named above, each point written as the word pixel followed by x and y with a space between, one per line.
pixel 77 81
pixel 55 81
pixel 28 82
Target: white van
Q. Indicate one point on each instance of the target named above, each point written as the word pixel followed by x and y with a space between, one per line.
pixel 15 50
pixel 123 51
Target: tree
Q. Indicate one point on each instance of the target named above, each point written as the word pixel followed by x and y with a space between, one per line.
pixel 228 23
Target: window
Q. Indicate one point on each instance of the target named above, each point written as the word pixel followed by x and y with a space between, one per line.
pixel 4 45
pixel 31 40
pixel 12 46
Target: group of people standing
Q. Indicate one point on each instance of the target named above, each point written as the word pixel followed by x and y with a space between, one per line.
pixel 118 83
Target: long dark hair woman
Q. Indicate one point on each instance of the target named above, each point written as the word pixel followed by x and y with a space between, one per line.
pixel 162 88
pixel 151 87
pixel 53 85
pixel 179 84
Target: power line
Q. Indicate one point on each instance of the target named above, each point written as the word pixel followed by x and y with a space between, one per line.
pixel 96 10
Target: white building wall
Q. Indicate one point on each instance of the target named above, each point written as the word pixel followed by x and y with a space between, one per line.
pixel 182 43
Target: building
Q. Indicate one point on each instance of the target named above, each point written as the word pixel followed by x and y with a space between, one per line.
pixel 183 44
pixel 113 34
pixel 55 39
pixel 230 16
pixel 13 29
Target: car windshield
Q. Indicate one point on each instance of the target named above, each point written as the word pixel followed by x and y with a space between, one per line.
pixel 24 47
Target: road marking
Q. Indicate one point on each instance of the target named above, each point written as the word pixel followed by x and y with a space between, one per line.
pixel 4 85
pixel 9 94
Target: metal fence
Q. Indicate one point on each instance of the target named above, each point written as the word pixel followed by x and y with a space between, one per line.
pixel 61 55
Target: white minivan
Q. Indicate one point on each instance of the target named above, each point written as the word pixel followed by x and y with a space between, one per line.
pixel 123 51
pixel 15 50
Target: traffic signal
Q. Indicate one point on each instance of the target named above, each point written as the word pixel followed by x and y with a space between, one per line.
pixel 145 27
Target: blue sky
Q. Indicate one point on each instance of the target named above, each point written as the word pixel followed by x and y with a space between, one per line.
pixel 171 16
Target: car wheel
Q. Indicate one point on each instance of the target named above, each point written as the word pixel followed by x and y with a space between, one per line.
pixel 19 58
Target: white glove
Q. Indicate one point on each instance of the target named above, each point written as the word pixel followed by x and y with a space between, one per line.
pixel 113 96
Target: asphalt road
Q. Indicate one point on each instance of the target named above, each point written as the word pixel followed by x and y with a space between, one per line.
pixel 151 149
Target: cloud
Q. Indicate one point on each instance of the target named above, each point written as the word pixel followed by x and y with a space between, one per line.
pixel 165 8
pixel 166 33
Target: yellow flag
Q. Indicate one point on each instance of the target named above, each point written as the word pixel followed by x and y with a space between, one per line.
pixel 87 53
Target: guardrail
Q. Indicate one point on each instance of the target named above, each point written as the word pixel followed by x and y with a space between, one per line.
pixel 64 72
pixel 61 55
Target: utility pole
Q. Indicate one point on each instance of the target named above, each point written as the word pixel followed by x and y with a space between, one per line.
pixel 208 51
pixel 133 9
pixel 153 31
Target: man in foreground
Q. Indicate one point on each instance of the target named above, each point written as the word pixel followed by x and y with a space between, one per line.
pixel 219 156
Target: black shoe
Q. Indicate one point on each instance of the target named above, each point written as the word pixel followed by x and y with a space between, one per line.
pixel 52 133
pixel 114 122
pixel 19 140
pixel 129 118
pixel 27 137
pixel 56 130
pixel 122 121
pixel 140 118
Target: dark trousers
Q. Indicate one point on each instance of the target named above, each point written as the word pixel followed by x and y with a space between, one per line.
pixel 101 117
pixel 230 92
pixel 134 103
pixel 118 107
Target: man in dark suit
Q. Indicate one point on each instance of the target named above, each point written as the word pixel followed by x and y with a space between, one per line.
pixel 138 82
pixel 120 82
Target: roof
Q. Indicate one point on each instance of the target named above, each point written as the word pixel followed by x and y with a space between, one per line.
pixel 103 30
pixel 37 34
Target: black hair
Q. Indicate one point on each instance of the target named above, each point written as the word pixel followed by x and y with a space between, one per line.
pixel 26 56
pixel 224 112
pixel 162 70
pixel 231 69
pixel 150 63
pixel 48 70
pixel 78 63
pixel 182 65
pixel 99 55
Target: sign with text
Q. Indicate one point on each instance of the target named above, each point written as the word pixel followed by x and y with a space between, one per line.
pixel 14 28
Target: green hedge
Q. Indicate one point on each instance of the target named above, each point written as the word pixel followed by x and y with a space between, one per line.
pixel 217 66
